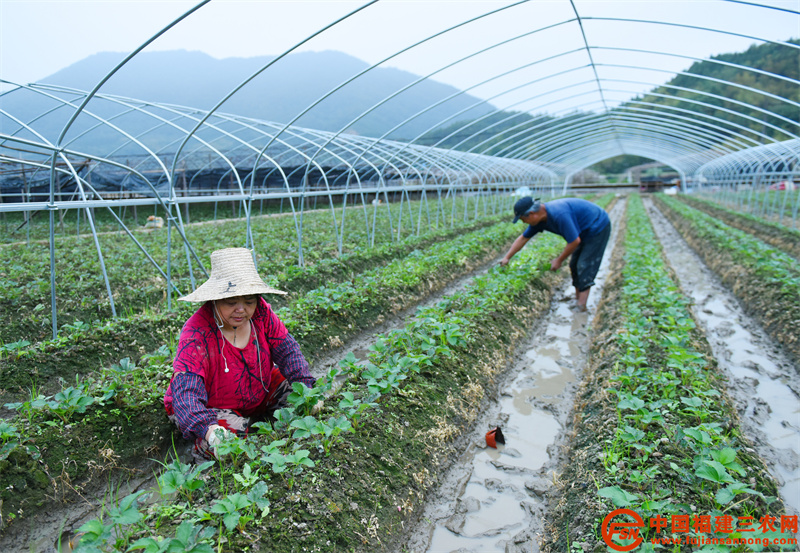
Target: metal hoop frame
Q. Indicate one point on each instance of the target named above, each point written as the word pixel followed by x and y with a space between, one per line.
pixel 744 155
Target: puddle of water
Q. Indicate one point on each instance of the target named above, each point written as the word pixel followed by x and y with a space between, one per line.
pixel 761 376
pixel 498 512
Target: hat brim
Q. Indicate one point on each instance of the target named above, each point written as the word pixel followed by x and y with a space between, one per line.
pixel 210 290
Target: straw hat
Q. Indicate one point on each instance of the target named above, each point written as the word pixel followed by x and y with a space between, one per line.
pixel 233 273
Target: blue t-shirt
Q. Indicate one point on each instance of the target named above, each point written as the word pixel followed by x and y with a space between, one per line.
pixel 571 218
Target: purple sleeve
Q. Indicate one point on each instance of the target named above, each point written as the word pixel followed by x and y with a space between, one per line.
pixel 189 400
pixel 290 361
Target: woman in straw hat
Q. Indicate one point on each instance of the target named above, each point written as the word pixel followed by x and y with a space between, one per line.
pixel 235 361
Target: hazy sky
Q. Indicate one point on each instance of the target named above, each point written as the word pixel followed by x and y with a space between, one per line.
pixel 40 37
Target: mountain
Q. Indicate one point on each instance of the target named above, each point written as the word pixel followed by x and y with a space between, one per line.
pixel 280 93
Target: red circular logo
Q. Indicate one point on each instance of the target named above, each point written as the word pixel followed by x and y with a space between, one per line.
pixel 624 530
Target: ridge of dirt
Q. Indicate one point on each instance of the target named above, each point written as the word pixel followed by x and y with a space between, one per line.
pixel 452 517
pixel 761 378
pixel 576 509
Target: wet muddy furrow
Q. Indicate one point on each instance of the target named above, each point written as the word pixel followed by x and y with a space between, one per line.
pixel 763 381
pixel 493 499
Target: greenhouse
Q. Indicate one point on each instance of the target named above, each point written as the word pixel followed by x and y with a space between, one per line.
pixel 381 200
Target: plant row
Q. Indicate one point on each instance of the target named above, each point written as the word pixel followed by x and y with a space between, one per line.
pixel 345 307
pixel 137 286
pixel 18 226
pixel 320 319
pixel 766 279
pixel 118 407
pixel 777 204
pixel 125 392
pixel 348 475
pixel 777 235
pixel 656 432
pixel 333 312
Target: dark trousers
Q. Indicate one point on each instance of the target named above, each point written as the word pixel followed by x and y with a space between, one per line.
pixel 586 259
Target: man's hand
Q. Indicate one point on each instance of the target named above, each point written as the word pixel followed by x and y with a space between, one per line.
pixel 571 247
pixel 503 262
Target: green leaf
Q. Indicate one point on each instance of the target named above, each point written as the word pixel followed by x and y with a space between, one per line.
pixel 714 471
pixel 727 458
pixel 300 457
pixel 340 423
pixel 654 506
pixel 305 427
pixel 95 527
pixel 633 403
pixel 699 435
pixel 724 496
pixel 692 401
pixel 631 434
pixel 170 482
pixel 150 545
pixel 618 496
pixel 724 456
pixel 231 520
pixel 127 511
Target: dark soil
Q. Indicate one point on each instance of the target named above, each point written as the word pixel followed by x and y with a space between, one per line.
pixel 387 464
pixel 47 368
pixel 78 463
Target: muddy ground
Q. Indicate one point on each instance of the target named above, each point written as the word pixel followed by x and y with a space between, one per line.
pixel 499 500
pixel 574 510
pixel 69 502
pixel 495 499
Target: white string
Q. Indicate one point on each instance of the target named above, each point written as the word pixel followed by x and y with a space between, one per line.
pixel 252 333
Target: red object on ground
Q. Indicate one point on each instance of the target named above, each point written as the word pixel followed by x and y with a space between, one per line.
pixel 494 437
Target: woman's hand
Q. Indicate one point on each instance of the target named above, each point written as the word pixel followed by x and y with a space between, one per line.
pixel 214 438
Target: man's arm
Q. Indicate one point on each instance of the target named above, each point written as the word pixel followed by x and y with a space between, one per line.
pixel 571 247
pixel 515 247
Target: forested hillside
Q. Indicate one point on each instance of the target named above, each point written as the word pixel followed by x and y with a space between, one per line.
pixel 775 66
pixel 763 90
